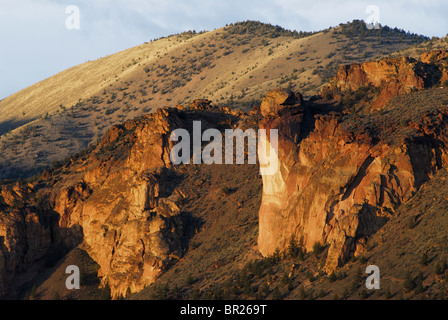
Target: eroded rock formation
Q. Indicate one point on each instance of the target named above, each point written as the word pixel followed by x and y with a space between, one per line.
pixel 337 186
pixel 390 76
pixel 119 202
pixel 122 208
pixel 440 59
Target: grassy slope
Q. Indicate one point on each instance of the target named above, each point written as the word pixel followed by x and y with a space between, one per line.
pixel 224 200
pixel 227 65
pixel 50 284
pixel 216 265
pixel 416 51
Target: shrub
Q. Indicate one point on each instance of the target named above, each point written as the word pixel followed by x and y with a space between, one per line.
pixel 363 294
pixel 190 280
pixel 309 274
pixel 409 283
pixel 32 293
pixel 419 288
pixel 345 294
pixel 322 293
pixel 412 222
pixel 357 280
pixel 194 245
pixel 276 294
pixel 265 289
pixel 303 294
pixel 440 267
pixel 286 279
pixel 318 248
pixel 419 283
pixel 111 111
pixel 424 260
pixel 295 249
pixel 332 277
pixel 257 267
pixel 403 123
pixel 362 259
pixel 225 191
pixel 244 283
pixel 337 276
pixel 161 292
pixel 388 294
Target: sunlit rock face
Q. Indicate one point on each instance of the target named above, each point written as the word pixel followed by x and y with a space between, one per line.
pixel 335 186
pixel 123 209
pixel 120 202
pixel 390 77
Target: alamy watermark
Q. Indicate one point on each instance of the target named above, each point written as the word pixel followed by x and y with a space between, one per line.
pixel 373 280
pixel 73 21
pixel 234 140
pixel 73 280
pixel 373 20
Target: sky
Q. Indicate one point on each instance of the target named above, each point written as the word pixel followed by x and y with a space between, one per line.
pixel 39 38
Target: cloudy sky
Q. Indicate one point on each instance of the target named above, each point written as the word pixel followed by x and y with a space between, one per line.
pixel 39 38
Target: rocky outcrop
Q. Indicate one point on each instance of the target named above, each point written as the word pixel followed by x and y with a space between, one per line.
pixel 389 77
pixel 200 104
pixel 278 100
pixel 127 208
pixel 440 59
pixel 336 187
pixel 25 234
pixel 119 203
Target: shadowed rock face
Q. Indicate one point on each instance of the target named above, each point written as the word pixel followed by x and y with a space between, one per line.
pixel 337 186
pixel 440 59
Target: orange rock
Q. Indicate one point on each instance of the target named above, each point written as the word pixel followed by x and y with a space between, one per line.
pixel 277 100
pixel 439 58
pixel 392 76
pixel 336 187
pixel 200 104
pixel 118 208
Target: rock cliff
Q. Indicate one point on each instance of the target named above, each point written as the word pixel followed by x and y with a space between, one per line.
pixel 337 185
pixel 118 202
pixel 338 182
pixel 440 59
pixel 390 77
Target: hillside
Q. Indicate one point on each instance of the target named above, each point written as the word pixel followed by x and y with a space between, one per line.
pixel 361 179
pixel 232 66
pixel 143 229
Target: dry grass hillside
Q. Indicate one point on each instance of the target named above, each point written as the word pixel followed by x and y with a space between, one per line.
pixel 221 259
pixel 235 66
pixel 417 50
